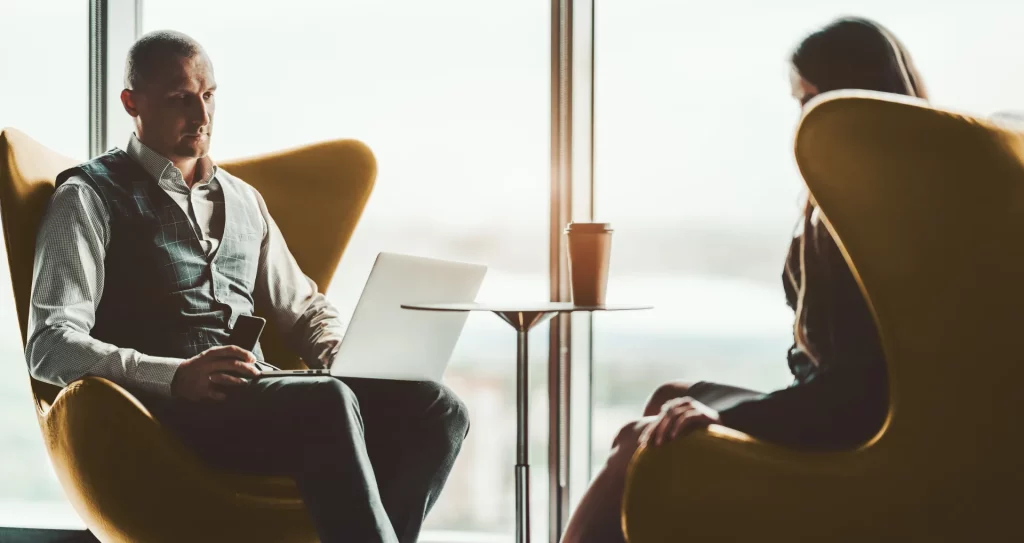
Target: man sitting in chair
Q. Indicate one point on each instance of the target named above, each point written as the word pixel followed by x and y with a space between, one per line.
pixel 144 260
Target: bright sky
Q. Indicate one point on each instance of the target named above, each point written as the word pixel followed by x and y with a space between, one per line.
pixel 694 118
pixel 693 101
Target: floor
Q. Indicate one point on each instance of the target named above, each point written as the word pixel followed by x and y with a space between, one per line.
pixel 32 535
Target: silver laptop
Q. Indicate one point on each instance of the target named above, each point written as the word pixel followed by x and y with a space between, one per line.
pixel 384 341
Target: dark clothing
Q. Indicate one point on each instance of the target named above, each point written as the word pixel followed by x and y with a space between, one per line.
pixel 370 457
pixel 721 397
pixel 163 295
pixel 843 400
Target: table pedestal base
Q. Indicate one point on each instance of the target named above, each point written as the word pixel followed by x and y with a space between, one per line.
pixel 522 503
pixel 523 318
pixel 523 321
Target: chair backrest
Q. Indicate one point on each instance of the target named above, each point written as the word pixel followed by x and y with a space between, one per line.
pixel 27 174
pixel 315 193
pixel 928 207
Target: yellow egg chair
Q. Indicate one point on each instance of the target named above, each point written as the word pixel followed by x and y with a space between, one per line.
pixel 127 477
pixel 928 207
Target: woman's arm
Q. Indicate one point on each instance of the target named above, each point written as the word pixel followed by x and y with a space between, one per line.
pixel 842 406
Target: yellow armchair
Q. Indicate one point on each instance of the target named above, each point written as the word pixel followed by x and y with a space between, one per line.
pixel 928 206
pixel 127 477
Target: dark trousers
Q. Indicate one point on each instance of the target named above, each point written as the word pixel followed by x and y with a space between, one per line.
pixel 370 457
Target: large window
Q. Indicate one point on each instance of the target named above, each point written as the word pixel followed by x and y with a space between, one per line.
pixel 453 99
pixel 44 59
pixel 44 66
pixel 694 168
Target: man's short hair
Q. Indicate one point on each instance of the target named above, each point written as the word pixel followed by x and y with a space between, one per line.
pixel 151 50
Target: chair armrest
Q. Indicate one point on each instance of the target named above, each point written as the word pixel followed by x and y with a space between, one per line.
pixel 132 480
pixel 104 442
pixel 703 483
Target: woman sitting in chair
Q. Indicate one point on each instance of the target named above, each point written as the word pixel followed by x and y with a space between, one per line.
pixel 839 398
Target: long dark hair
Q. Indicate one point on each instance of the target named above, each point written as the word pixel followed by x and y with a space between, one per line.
pixel 849 53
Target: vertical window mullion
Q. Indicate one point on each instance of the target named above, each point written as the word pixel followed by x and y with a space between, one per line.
pixel 97 76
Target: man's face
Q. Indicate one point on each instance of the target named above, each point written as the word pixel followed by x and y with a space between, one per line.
pixel 173 110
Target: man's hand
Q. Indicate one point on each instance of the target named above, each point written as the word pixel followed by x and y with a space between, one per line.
pixel 677 416
pixel 200 377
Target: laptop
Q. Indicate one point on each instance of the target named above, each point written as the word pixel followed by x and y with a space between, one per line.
pixel 384 341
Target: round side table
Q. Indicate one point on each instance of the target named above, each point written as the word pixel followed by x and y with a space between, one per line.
pixel 522 317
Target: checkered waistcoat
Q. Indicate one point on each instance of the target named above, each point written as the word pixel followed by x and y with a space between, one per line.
pixel 163 295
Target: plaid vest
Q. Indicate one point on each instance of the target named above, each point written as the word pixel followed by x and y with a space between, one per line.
pixel 163 296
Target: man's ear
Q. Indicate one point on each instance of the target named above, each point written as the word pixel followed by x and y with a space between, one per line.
pixel 128 101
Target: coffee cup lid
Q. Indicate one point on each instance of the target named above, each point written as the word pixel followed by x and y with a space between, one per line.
pixel 588 227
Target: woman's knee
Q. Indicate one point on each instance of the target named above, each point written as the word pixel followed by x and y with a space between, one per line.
pixel 664 393
pixel 628 437
pixel 625 444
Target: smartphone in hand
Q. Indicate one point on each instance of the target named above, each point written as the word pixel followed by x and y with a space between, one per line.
pixel 246 332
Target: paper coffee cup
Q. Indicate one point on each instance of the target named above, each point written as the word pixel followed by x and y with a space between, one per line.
pixel 590 247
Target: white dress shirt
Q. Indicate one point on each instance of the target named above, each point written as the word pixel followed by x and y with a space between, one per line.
pixel 68 279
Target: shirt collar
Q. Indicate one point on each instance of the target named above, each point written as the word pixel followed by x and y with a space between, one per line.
pixel 166 174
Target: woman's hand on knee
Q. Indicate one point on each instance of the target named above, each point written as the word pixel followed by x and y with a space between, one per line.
pixel 678 416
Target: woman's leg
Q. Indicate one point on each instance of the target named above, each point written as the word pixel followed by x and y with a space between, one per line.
pixel 597 518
